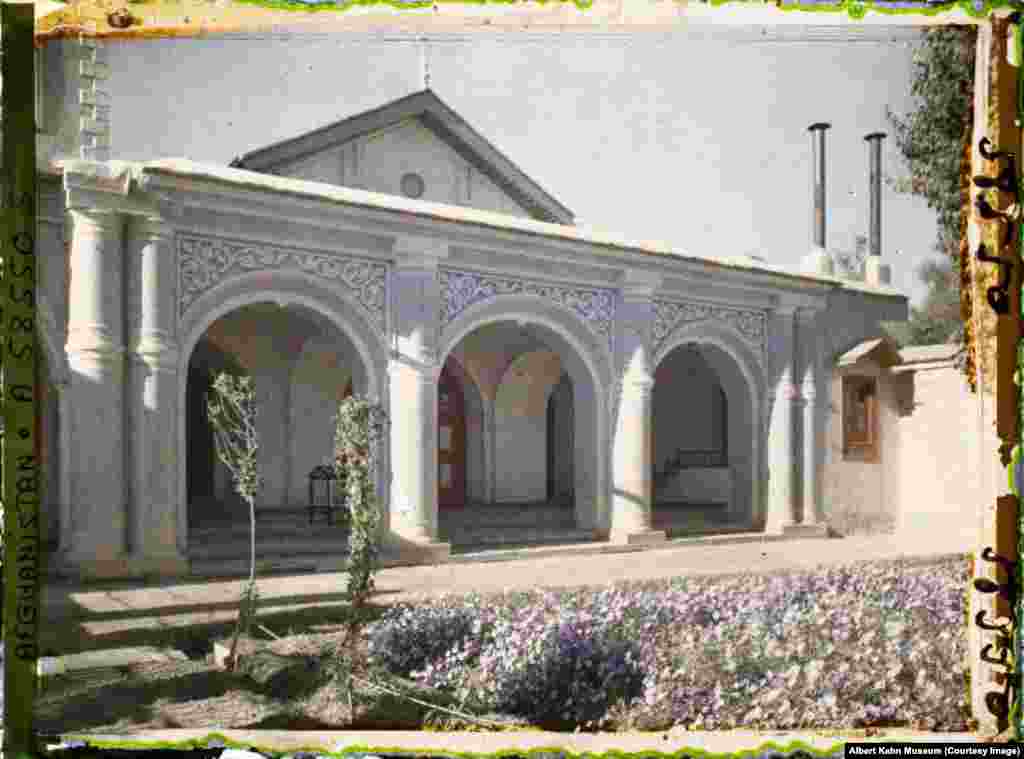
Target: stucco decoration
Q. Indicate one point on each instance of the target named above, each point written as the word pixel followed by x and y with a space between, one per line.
pixel 204 262
pixel 669 315
pixel 462 289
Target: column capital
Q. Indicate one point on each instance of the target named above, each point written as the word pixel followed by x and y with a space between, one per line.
pixel 156 351
pixel 95 220
pixel 426 365
pixel 786 389
pixel 639 380
pixel 809 388
pixel 419 253
pixel 639 285
pixel 807 314
pixel 786 311
pixel 155 228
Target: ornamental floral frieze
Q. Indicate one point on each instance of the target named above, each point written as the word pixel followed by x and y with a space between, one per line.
pixel 204 262
pixel 462 289
pixel 669 315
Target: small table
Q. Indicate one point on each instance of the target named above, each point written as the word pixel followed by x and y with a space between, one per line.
pixel 324 495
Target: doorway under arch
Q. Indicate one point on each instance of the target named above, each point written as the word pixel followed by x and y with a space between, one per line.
pixel 704 441
pixel 302 367
pixel 513 443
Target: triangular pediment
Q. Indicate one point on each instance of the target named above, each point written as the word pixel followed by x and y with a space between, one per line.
pixel 415 136
pixel 883 352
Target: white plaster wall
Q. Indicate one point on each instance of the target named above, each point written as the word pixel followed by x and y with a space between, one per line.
pixel 941 488
pixel 700 485
pixel 318 380
pixel 325 166
pixel 684 406
pixel 58 123
pixel 521 427
pixel 687 414
pixel 378 161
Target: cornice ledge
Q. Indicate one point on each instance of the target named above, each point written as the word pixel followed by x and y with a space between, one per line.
pixel 791 303
pixel 639 283
pixel 98 176
pixel 109 187
pixel 420 252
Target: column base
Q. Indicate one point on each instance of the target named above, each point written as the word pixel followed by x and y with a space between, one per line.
pixel 401 551
pixel 636 537
pixel 161 565
pixel 128 566
pixel 85 568
pixel 805 530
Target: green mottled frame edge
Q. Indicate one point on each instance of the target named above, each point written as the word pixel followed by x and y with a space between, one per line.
pixel 856 9
pixel 219 740
pixel 1016 716
pixel 18 210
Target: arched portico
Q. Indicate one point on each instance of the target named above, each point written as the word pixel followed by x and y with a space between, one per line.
pixel 733 366
pixel 294 384
pixel 516 372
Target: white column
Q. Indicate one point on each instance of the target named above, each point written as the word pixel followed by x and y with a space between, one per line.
pixel 813 448
pixel 414 373
pixel 783 400
pixel 632 448
pixel 95 350
pixel 151 411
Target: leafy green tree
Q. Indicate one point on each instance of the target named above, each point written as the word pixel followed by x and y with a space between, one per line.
pixel 931 140
pixel 937 319
pixel 232 410
pixel 359 427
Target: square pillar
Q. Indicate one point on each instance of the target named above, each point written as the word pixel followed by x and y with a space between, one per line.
pixel 632 449
pixel 414 373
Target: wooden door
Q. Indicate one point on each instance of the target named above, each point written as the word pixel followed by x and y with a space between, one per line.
pixel 451 442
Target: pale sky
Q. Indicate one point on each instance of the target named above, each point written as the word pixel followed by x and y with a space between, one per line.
pixel 695 140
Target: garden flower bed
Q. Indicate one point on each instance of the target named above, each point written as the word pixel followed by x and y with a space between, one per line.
pixel 875 643
pixel 866 645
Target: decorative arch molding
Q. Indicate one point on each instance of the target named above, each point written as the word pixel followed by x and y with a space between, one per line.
pixel 462 289
pixel 529 309
pixel 288 288
pixel 206 262
pixel 284 288
pixel 748 357
pixel 669 315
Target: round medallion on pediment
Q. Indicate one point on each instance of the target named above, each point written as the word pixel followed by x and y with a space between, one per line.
pixel 413 185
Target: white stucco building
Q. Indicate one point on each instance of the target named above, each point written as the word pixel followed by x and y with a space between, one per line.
pixel 555 376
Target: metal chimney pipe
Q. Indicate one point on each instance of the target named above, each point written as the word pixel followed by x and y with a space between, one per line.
pixel 874 141
pixel 818 182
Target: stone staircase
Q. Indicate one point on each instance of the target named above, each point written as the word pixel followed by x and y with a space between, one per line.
pixel 286 542
pixel 476 526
